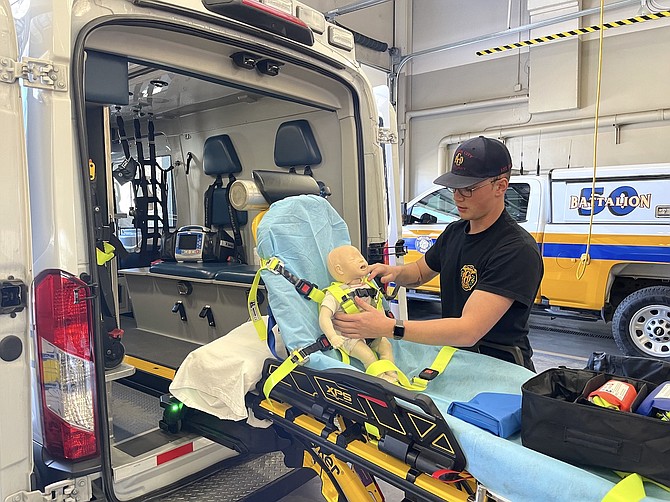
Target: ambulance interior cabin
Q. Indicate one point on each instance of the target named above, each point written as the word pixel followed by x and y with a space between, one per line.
pixel 173 120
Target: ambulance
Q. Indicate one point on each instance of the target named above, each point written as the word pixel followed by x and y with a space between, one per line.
pixel 124 124
pixel 613 266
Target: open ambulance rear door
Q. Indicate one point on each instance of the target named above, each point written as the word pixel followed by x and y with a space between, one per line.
pixel 16 463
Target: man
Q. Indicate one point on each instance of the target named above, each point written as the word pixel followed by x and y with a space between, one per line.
pixel 490 268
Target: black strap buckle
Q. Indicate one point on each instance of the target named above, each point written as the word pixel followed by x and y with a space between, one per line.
pixel 428 374
pixel 322 344
pixel 366 292
pixel 304 287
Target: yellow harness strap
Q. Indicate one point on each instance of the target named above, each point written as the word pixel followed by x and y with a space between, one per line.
pixel 629 489
pixel 297 357
pixel 345 295
pixel 276 266
pixel 420 382
pixel 252 306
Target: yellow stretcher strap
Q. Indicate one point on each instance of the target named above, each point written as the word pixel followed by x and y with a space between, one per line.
pixel 629 489
pixel 282 371
pixel 297 357
pixel 254 310
pixel 420 382
pixel 104 255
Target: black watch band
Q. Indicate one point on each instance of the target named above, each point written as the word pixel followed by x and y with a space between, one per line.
pixel 399 329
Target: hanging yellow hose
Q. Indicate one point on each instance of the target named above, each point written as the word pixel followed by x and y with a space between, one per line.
pixel 585 259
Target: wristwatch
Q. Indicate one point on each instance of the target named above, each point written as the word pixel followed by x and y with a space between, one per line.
pixel 399 329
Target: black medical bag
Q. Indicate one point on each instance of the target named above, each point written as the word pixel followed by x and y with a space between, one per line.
pixel 558 420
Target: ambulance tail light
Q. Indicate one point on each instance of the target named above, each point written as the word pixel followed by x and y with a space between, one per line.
pixel 63 330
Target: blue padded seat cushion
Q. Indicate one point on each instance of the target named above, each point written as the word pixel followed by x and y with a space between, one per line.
pixel 236 272
pixel 220 157
pixel 230 272
pixel 295 145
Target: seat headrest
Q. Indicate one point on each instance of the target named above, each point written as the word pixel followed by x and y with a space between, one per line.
pixel 220 157
pixel 295 145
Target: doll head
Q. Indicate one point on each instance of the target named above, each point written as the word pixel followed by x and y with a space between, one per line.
pixel 346 264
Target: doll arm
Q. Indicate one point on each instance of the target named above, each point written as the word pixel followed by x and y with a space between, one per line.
pixel 326 324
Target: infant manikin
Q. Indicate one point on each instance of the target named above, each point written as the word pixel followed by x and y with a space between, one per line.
pixel 349 268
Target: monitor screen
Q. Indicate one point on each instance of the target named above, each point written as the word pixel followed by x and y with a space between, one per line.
pixel 187 241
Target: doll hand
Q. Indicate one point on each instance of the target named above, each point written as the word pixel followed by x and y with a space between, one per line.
pixel 336 341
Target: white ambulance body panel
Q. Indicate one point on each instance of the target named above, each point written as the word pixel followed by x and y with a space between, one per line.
pixel 16 463
pixel 48 225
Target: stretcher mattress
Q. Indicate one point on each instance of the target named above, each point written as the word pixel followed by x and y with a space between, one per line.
pixel 301 231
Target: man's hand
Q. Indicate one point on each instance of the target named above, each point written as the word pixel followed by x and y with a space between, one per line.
pixel 369 323
pixel 386 272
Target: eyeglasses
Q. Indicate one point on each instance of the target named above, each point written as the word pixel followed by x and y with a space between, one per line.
pixel 467 192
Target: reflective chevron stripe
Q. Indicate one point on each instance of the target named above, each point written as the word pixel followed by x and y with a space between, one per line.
pixel 577 32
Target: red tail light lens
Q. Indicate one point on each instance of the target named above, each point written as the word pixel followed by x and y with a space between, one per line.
pixel 63 325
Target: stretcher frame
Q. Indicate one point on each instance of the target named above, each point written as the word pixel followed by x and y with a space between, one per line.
pixel 351 428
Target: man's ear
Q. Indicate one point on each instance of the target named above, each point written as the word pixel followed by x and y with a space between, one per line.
pixel 338 268
pixel 501 185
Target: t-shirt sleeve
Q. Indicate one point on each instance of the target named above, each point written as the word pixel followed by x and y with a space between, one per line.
pixel 515 272
pixel 433 254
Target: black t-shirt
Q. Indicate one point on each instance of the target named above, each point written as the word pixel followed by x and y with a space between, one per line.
pixel 504 259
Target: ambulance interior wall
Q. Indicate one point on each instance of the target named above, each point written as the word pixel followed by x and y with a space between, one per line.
pixel 252 128
pixel 251 123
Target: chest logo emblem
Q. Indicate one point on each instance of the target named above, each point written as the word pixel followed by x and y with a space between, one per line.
pixel 468 277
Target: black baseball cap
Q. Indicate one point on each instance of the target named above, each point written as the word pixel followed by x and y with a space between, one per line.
pixel 476 159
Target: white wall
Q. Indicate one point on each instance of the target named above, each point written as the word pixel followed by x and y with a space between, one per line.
pixel 635 78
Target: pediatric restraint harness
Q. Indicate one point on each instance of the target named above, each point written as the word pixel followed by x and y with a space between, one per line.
pixel 346 298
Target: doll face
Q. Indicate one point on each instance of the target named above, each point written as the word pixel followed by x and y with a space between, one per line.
pixel 354 267
pixel 347 264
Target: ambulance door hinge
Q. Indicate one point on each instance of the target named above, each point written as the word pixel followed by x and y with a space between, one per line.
pixel 36 73
pixel 68 490
pixel 386 136
pixel 12 296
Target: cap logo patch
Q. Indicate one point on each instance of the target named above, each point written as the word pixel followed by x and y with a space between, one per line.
pixel 468 277
pixel 458 160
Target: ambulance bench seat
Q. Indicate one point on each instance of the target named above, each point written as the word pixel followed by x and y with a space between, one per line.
pixel 213 271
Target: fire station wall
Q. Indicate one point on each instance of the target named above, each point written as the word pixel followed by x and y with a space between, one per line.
pixel 634 80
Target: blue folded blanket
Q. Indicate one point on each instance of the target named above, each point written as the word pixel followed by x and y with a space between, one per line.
pixel 492 411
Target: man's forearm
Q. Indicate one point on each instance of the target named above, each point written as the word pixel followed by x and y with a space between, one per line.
pixel 451 331
pixel 409 275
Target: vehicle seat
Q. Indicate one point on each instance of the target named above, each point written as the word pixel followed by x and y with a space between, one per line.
pixel 220 158
pixel 296 147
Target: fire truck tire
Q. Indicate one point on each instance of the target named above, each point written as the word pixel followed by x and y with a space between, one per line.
pixel 641 323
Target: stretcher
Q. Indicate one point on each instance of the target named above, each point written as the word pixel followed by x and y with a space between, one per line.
pixel 351 427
